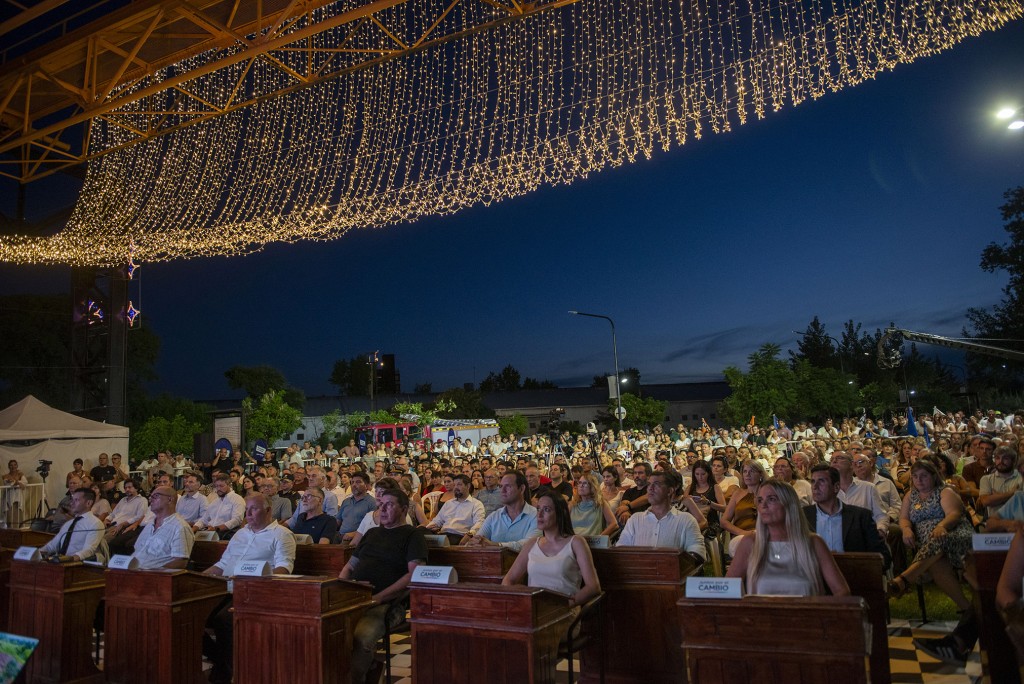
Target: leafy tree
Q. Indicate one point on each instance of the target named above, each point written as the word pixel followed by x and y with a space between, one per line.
pixel 508 380
pixel 815 347
pixel 534 384
pixel 332 423
pixel 512 425
pixel 821 392
pixel 465 404
pixel 1005 320
pixel 271 417
pixel 176 434
pixel 257 381
pixel 351 376
pixel 768 387
pixel 640 413
pixel 167 406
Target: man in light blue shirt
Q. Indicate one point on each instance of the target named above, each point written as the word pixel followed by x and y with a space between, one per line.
pixel 512 524
pixel 490 495
pixel 352 509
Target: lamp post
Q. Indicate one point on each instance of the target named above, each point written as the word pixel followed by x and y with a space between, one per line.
pixel 615 354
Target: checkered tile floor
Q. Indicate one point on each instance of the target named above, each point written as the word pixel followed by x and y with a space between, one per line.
pixel 907 664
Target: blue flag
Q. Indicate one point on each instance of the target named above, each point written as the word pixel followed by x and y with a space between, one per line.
pixel 775 421
pixel 927 439
pixel 911 425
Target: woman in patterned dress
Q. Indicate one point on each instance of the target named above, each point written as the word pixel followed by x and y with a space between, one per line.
pixel 933 521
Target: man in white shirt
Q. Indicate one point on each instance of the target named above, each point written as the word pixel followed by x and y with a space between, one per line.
pixel 81 537
pixel 124 521
pixel 661 524
pixel 262 539
pixel 225 511
pixel 859 493
pixel 459 516
pixel 165 541
pixel 998 486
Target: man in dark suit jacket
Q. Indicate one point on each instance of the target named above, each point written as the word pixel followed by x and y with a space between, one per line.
pixel 857 530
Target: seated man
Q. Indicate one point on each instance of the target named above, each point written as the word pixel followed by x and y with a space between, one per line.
pixel 280 506
pixel 459 516
pixel 843 527
pixel 512 524
pixel 352 510
pixel 81 537
pixel 191 505
pixel 166 540
pixel 262 539
pixel 124 521
pixel 386 558
pixel 225 511
pixel 313 520
pixel 663 525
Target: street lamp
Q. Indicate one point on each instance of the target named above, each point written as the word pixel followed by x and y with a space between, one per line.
pixel 615 353
pixel 1013 115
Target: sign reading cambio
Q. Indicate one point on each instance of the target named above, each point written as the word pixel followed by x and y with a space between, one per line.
pixel 999 541
pixel 121 562
pixel 714 587
pixel 27 553
pixel 435 574
pixel 252 569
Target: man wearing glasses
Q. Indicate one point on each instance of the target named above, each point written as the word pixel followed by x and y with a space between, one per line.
pixel 321 526
pixel 280 507
pixel 166 540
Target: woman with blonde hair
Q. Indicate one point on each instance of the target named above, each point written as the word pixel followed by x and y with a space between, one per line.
pixel 591 515
pixel 740 516
pixel 782 556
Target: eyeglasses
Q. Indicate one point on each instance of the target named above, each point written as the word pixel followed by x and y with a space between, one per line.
pixel 307 497
pixel 860 462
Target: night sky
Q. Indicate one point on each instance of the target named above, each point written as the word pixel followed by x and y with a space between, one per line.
pixel 872 204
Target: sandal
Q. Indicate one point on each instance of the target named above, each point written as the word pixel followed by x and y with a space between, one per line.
pixel 898 586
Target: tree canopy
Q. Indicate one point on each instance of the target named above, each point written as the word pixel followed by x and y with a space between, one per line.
pixel 256 381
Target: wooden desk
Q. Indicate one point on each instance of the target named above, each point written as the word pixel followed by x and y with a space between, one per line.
pixel 15 538
pixel 295 629
pixel 57 605
pixel 998 656
pixel 863 572
pixel 321 559
pixel 484 564
pixel 206 553
pixel 167 611
pixel 641 586
pixel 468 633
pixel 775 639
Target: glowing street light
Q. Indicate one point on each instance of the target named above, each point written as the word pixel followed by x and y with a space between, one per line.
pixel 1006 113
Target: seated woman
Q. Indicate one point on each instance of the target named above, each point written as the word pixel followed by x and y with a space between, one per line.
pixel 559 560
pixel 932 520
pixel 740 515
pixel 591 514
pixel 706 494
pixel 782 556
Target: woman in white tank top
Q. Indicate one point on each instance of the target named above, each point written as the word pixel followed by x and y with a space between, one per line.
pixel 558 560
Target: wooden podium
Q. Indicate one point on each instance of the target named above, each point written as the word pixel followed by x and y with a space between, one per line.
pixel 641 586
pixel 469 633
pixel 5 587
pixel 775 639
pixel 310 559
pixel 295 629
pixel 474 564
pixel 166 610
pixel 206 553
pixel 998 655
pixel 57 605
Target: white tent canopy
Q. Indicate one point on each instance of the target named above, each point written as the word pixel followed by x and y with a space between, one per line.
pixel 60 437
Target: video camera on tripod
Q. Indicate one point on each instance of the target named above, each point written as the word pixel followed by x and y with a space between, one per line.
pixel 44 468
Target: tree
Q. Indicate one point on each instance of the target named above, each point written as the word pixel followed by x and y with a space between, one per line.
pixel 508 380
pixel 423 388
pixel 257 381
pixel 351 376
pixel 1005 320
pixel 270 418
pixel 640 413
pixel 168 407
pixel 821 393
pixel 815 346
pixel 768 387
pixel 176 435
pixel 534 384
pixel 462 403
pixel 512 425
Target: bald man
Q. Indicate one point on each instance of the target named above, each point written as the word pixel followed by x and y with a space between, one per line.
pixel 166 540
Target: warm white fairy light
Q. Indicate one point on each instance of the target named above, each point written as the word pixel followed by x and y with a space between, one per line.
pixel 544 100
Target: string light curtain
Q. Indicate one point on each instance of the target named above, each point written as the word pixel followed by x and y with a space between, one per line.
pixel 484 117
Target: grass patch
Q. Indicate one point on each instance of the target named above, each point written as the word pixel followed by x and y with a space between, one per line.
pixel 938 605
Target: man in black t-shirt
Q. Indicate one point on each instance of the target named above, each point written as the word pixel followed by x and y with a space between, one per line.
pixel 386 557
pixel 103 472
pixel 556 473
